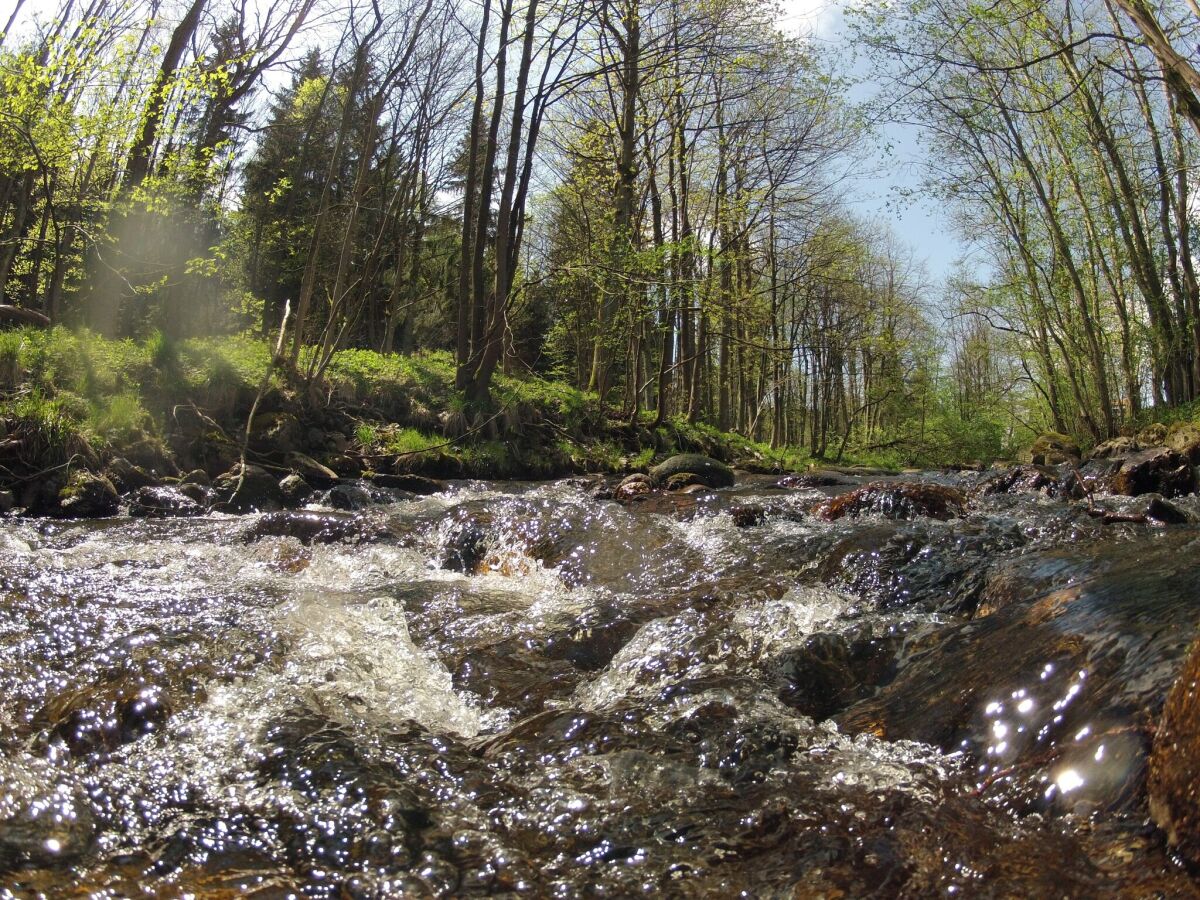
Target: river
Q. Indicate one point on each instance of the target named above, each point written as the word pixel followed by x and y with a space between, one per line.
pixel 519 689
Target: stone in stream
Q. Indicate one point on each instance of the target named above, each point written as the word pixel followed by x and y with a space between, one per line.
pixel 705 469
pixel 313 528
pixel 415 484
pixel 830 671
pixel 815 478
pixel 1174 784
pixel 633 485
pixel 1184 438
pixel 1060 676
pixel 1158 470
pixel 295 489
pixel 1115 447
pixel 162 503
pixel 897 500
pixel 1033 480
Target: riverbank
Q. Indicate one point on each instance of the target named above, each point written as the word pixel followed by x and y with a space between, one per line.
pixel 78 411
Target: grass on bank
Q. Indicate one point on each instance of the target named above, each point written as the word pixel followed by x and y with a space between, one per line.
pixel 74 384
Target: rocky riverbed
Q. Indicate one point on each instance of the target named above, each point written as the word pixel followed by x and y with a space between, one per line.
pixel 834 684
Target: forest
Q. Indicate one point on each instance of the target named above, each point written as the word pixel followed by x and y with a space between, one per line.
pixel 646 200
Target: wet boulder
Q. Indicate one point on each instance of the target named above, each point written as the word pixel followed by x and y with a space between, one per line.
pixel 686 481
pixel 707 470
pixel 462 546
pixel 249 488
pixel 162 503
pixel 748 515
pixel 414 484
pixel 897 500
pixel 1053 448
pixel 815 478
pixel 633 486
pixel 1174 785
pixel 1028 479
pixel 1061 674
pixel 87 496
pixel 1158 470
pixel 312 528
pixel 349 496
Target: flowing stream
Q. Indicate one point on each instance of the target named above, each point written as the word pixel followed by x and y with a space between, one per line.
pixel 519 689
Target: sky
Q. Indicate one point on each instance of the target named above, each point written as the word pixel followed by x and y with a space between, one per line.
pixel 920 224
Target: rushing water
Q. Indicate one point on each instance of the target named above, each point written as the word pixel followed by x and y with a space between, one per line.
pixel 521 689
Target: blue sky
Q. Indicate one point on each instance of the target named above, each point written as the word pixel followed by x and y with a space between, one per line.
pixel 920 224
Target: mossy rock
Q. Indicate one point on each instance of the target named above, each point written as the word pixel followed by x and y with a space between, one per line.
pixel 1152 435
pixel 87 496
pixel 705 469
pixel 1053 448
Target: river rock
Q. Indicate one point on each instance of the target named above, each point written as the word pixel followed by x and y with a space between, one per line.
pixel 1152 435
pixel 1115 447
pixel 683 481
pixel 1158 470
pixel 162 503
pixel 313 528
pixel 87 496
pixel 127 477
pixel 256 490
pixel 295 489
pixel 7 501
pixel 196 476
pixel 897 500
pixel 1032 480
pixel 1053 448
pixel 1184 439
pixel 632 486
pixel 463 544
pixel 709 471
pixel 414 484
pixel 313 472
pixel 815 478
pixel 830 671
pixel 1174 784
pixel 748 515
pixel 349 496
pixel 1061 674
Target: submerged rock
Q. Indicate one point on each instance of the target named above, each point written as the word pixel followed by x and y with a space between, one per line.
pixel 101 718
pixel 815 478
pixel 705 469
pixel 1174 783
pixel 313 528
pixel 415 484
pixel 161 503
pixel 1059 677
pixel 897 500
